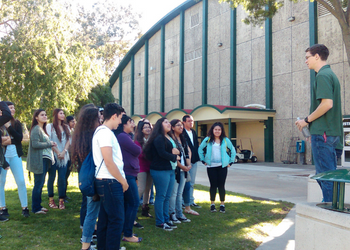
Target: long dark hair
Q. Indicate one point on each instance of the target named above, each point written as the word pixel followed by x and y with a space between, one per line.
pixel 124 121
pixel 182 137
pixel 211 133
pixel 157 130
pixel 139 134
pixel 55 124
pixel 87 122
pixel 35 122
pixel 13 120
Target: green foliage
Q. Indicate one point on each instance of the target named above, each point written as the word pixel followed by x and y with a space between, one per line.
pixel 51 58
pixel 109 29
pixel 25 146
pixel 43 67
pixel 100 95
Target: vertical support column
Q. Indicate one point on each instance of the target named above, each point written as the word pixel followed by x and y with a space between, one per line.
pixel 268 140
pixel 182 60
pixel 146 79
pixel 132 84
pixel 232 131
pixel 233 58
pixel 162 66
pixel 120 88
pixel 268 63
pixel 205 53
pixel 313 35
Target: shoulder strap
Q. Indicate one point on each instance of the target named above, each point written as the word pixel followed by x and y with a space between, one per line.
pixel 98 129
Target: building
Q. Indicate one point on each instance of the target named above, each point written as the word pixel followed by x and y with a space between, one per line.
pixel 203 60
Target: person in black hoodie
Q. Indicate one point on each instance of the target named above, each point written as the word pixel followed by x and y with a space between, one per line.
pixel 161 150
pixel 13 155
pixel 5 116
pixel 192 141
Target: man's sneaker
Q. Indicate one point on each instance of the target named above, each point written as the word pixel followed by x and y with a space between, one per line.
pixel 222 209
pixel 195 205
pixel 4 212
pixel 3 218
pixel 212 208
pixel 183 219
pixel 94 236
pixel 171 225
pixel 25 212
pixel 165 227
pixel 138 225
pixel 174 219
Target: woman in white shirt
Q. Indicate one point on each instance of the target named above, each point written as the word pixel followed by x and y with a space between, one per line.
pixel 58 132
pixel 217 153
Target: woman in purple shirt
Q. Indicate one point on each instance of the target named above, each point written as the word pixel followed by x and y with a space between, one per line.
pixel 130 153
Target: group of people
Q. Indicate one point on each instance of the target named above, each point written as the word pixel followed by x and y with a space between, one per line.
pixel 49 142
pixel 129 159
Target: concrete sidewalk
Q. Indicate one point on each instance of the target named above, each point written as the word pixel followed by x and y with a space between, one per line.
pixel 287 182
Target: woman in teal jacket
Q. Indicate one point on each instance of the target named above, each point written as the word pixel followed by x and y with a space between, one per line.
pixel 217 153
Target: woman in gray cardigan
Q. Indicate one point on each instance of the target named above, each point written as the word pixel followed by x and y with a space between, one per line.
pixel 40 157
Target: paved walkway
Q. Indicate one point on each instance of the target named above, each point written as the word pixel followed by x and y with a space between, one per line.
pixel 287 182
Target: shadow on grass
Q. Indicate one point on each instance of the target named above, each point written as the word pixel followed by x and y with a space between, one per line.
pixel 241 227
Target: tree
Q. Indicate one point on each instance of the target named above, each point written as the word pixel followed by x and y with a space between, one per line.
pixel 100 95
pixel 109 29
pixel 257 13
pixel 42 66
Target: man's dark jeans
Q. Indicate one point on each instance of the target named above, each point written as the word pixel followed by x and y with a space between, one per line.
pixel 111 217
pixel 325 159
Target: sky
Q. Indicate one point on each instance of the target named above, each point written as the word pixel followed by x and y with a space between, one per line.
pixel 152 10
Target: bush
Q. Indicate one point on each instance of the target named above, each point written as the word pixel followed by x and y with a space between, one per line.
pixel 25 145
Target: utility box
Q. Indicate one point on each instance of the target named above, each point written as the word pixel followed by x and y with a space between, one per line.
pixel 301 146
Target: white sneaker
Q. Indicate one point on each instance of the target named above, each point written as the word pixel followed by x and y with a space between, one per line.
pixel 184 219
pixel 174 219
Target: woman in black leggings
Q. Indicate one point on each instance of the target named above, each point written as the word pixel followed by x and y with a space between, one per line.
pixel 217 153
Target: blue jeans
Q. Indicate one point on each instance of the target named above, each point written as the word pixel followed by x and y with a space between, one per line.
pixel 175 204
pixel 325 160
pixel 186 194
pixel 131 204
pixel 93 208
pixel 164 183
pixel 17 171
pixel 39 180
pixel 193 173
pixel 111 217
pixel 83 210
pixel 61 181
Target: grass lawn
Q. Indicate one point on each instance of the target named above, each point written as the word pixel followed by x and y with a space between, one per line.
pixel 243 226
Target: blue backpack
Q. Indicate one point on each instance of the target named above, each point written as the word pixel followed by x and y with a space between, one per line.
pixel 87 175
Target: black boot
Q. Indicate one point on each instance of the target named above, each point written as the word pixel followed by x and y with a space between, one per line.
pixel 145 212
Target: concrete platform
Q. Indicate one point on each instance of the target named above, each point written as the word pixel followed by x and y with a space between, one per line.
pixel 287 182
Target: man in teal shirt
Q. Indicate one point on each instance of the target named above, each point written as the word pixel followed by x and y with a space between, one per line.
pixel 325 119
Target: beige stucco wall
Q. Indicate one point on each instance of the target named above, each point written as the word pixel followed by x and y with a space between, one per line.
pixel 139 82
pixel 126 88
pixel 154 73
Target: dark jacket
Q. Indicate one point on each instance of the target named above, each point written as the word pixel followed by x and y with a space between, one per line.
pixel 161 152
pixel 130 152
pixel 194 148
pixel 5 117
pixel 17 134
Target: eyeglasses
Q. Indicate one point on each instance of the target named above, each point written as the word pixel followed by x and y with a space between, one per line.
pixel 307 57
pixel 179 125
pixel 146 128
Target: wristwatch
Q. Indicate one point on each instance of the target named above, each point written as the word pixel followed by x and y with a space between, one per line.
pixel 307 120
